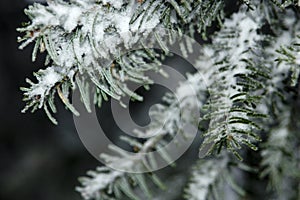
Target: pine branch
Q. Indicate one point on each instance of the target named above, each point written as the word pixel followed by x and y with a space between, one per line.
pixel 282 4
pixel 206 179
pixel 106 184
pixel 286 3
pixel 211 177
pixel 67 31
pixel 236 85
pixel 242 77
pixel 279 160
pixel 182 16
pixel 166 123
pixel 80 38
pixel 276 90
pixel 84 42
pixel 290 55
pixel 243 60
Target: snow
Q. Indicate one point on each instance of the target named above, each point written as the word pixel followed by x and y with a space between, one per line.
pixel 51 77
pixel 115 3
pixel 46 80
pixel 66 15
pixel 122 25
pixel 147 26
pixel 72 20
pixel 246 38
pixel 91 186
pixel 297 59
pixel 204 176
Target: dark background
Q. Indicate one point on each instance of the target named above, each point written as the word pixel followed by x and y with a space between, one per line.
pixel 38 160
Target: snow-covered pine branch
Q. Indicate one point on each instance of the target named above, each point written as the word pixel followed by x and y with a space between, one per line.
pixel 206 179
pixel 279 161
pixel 216 178
pixel 290 55
pixel 166 122
pixel 236 84
pixel 244 80
pixel 279 158
pixel 206 64
pixel 287 3
pixel 81 36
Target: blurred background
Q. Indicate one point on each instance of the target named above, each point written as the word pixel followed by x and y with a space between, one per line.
pixel 38 160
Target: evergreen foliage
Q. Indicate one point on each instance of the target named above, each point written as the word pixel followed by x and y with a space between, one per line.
pixel 251 101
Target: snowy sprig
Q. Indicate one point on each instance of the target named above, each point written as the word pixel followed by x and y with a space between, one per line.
pixel 290 55
pixel 166 123
pixel 279 157
pixel 275 89
pixel 105 183
pixel 287 3
pixel 205 66
pixel 89 39
pixel 215 178
pixel 235 85
pixel 183 16
pixel 74 36
pixel 280 4
pixel 279 162
pixel 205 179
